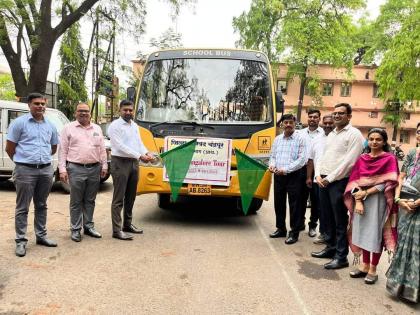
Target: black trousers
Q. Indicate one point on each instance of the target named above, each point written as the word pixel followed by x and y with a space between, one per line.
pixel 312 193
pixel 125 175
pixel 336 218
pixel 290 186
pixel 320 209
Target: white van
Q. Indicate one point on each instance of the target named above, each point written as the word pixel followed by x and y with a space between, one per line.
pixel 8 112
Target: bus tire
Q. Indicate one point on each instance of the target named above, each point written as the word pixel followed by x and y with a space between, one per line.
pixel 255 205
pixel 164 201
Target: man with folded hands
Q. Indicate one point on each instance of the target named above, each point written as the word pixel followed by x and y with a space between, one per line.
pixel 82 162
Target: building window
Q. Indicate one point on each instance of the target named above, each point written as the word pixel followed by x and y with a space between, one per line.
pixel 282 86
pixel 345 89
pixel 327 88
pixel 404 136
pixel 406 116
pixel 375 90
pixel 373 114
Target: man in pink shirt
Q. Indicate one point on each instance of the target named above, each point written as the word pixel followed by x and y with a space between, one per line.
pixel 82 161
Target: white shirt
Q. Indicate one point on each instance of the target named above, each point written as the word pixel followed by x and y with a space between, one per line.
pixel 309 136
pixel 125 139
pixel 317 150
pixel 342 149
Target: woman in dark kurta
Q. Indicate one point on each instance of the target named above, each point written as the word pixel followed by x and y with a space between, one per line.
pixel 404 272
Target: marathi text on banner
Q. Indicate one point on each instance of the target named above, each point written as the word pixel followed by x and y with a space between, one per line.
pixel 210 164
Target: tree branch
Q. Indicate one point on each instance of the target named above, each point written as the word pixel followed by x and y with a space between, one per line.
pixel 34 12
pixel 73 17
pixel 25 18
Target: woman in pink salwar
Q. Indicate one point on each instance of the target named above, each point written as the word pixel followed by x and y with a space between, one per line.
pixel 369 197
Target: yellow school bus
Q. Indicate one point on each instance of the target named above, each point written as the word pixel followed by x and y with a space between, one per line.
pixel 207 93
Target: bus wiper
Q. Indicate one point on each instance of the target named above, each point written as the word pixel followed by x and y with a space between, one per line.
pixel 193 123
pixel 159 123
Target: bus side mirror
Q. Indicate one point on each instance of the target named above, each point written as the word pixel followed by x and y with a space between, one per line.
pixel 279 102
pixel 131 93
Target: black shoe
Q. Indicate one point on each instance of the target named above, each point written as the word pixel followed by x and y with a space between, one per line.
pixel 325 253
pixel 92 232
pixel 291 239
pixel 46 242
pixel 278 233
pixel 357 273
pixel 132 229
pixel 76 236
pixel 320 240
pixel 20 249
pixel 312 232
pixel 122 236
pixel 371 279
pixel 337 264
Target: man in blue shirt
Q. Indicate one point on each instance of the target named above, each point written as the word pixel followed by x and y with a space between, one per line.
pixel 287 161
pixel 31 142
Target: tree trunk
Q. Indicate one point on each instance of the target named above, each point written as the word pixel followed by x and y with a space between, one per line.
pixel 303 80
pixel 301 95
pixel 394 134
pixel 39 65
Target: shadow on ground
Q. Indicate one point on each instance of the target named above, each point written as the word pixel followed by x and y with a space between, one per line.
pixel 201 210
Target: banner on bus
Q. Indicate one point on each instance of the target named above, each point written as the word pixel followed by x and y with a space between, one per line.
pixel 210 164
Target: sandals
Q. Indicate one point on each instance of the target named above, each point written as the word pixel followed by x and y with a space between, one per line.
pixel 357 274
pixel 371 279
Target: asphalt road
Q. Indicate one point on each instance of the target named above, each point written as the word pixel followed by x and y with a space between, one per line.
pixel 201 258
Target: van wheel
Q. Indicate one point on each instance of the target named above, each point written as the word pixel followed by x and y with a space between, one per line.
pixel 66 187
pixel 164 201
pixel 255 205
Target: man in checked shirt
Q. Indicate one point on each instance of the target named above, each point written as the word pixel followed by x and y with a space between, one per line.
pixel 287 161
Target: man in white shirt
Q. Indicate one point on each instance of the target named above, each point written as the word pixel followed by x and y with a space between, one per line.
pixel 344 145
pixel 127 149
pixel 317 149
pixel 310 134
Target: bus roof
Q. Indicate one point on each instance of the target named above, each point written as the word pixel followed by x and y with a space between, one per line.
pixel 208 53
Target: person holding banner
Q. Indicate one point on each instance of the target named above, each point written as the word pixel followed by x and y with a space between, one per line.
pixel 127 149
pixel 287 161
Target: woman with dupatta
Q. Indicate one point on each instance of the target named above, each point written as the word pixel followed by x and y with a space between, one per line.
pixel 369 197
pixel 404 272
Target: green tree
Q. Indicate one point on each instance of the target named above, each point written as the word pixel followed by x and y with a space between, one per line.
pixel 72 83
pixel 305 33
pixel 394 41
pixel 167 40
pixel 7 89
pixel 29 30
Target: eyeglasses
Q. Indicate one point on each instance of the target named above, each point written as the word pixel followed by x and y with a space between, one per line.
pixel 83 111
pixel 39 103
pixel 339 113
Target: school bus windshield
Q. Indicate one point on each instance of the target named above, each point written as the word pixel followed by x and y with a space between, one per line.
pixel 214 91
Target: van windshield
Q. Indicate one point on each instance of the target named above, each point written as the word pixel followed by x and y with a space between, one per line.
pixel 215 91
pixel 58 119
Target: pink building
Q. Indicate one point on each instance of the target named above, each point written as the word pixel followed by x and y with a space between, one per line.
pixel 360 91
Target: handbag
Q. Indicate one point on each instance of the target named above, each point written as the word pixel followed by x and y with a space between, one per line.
pixel 408 191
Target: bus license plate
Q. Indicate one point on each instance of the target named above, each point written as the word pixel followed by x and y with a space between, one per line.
pixel 196 189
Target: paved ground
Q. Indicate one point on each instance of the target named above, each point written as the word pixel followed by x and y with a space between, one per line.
pixel 199 259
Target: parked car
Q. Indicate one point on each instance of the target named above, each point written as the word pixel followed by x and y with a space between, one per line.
pixel 9 111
